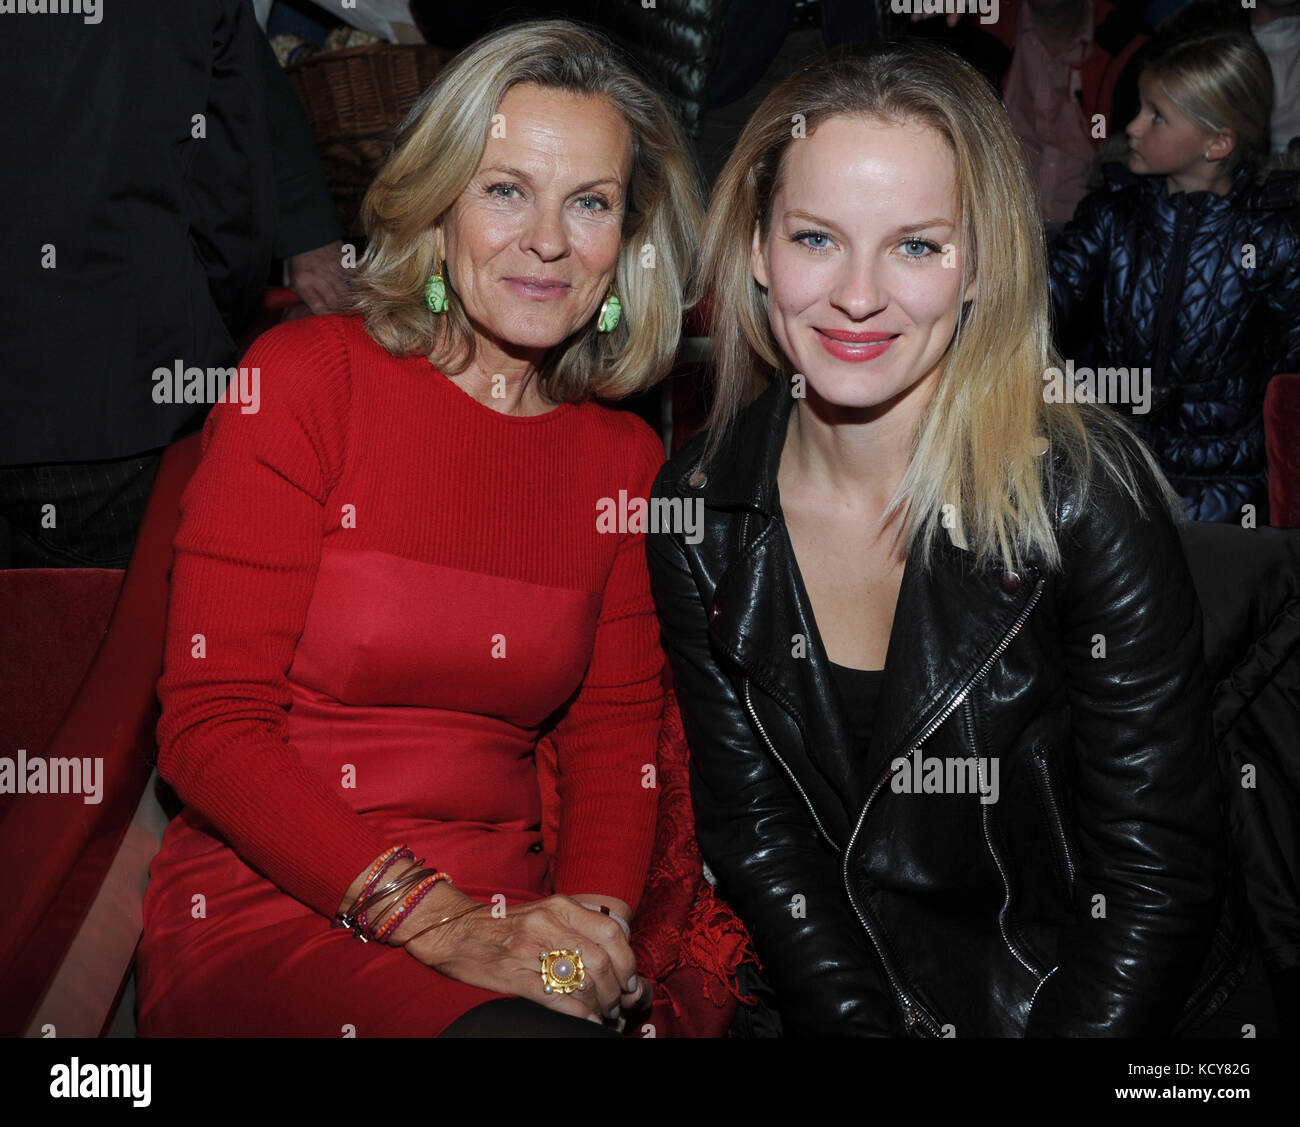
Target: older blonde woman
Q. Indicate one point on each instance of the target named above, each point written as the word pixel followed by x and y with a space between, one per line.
pixel 389 583
pixel 938 651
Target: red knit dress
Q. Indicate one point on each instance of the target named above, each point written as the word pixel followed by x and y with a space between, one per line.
pixel 383 592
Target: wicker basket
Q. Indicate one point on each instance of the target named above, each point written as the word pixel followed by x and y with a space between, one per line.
pixel 355 100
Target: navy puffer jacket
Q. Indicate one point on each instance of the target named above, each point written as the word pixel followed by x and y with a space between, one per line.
pixel 1204 290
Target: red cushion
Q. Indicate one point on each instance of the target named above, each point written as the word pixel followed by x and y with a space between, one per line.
pixel 54 621
pixel 1282 439
pixel 57 847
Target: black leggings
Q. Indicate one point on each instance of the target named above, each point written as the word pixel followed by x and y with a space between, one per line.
pixel 518 1017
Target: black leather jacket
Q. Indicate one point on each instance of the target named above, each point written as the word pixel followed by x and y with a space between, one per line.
pixel 1083 901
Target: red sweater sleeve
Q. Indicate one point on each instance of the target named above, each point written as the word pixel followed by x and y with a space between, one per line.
pixel 608 737
pixel 253 519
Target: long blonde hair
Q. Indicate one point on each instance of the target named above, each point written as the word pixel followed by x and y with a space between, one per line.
pixel 975 454
pixel 438 149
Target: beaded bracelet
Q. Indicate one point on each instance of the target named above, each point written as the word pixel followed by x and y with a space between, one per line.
pixel 356 917
pixel 367 894
pixel 349 917
pixel 419 880
pixel 383 900
pixel 397 853
pixel 377 869
pixel 408 905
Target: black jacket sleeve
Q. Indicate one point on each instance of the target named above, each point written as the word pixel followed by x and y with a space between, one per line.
pixel 231 190
pixel 1147 800
pixel 1077 259
pixel 760 840
pixel 305 215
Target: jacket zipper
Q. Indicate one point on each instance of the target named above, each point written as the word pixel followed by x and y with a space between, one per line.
pixel 997 857
pixel 749 705
pixel 771 748
pixel 1054 817
pixel 1173 295
pixel 913 1013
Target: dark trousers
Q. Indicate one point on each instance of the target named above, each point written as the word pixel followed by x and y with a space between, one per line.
pixel 74 514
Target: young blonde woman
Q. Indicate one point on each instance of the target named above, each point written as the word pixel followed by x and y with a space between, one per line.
pixel 938 651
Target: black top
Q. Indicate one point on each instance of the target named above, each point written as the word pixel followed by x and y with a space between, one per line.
pixel 859 690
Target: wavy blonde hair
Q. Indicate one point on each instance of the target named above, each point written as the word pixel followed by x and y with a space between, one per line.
pixel 976 447
pixel 438 149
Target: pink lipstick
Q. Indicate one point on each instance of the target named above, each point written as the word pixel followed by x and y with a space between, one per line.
pixel 855 347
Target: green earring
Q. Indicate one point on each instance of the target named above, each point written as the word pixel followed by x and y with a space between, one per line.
pixel 611 312
pixel 435 294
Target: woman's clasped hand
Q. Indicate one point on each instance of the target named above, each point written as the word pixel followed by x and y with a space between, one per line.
pixel 500 949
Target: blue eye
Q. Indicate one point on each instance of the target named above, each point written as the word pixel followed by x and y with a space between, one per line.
pixel 495 189
pixel 821 247
pixel 919 248
pixel 601 203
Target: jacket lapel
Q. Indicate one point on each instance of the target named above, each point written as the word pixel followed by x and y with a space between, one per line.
pixel 947 625
pixel 764 620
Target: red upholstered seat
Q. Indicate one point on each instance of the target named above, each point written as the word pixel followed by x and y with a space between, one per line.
pixel 54 620
pixel 59 934
pixel 1282 439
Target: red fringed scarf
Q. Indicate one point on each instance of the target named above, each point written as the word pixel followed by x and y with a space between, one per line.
pixel 687 941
